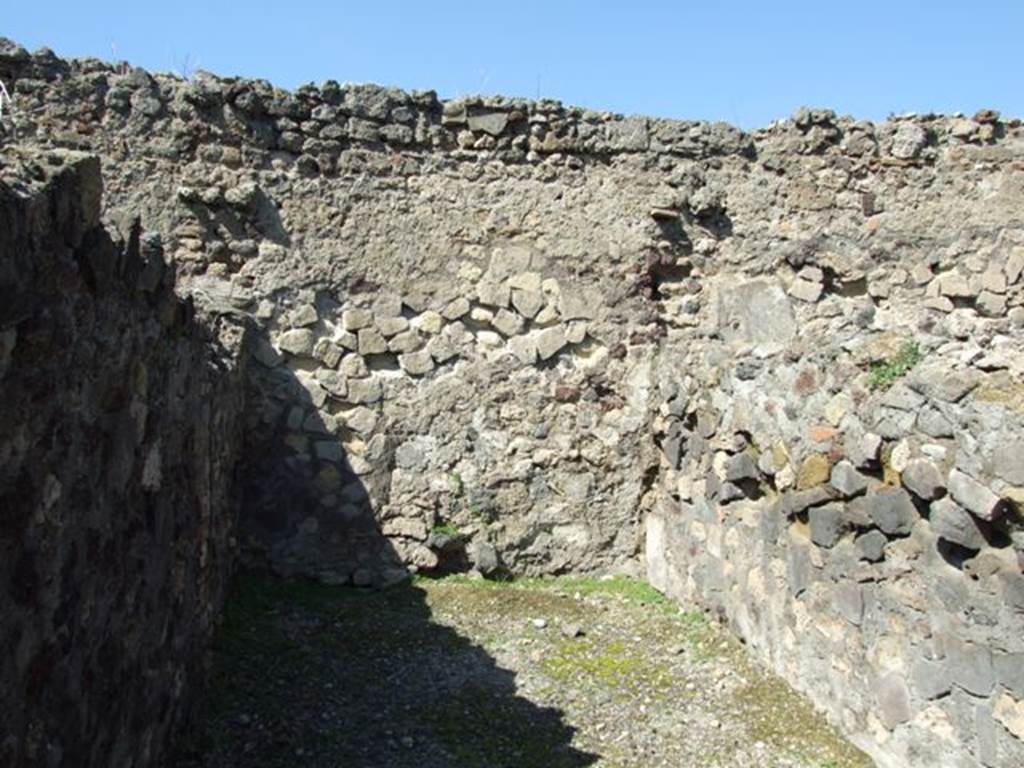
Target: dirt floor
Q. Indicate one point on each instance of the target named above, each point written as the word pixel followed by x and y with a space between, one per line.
pixel 560 673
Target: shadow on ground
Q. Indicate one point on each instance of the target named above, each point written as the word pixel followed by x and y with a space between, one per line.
pixel 311 675
pixel 317 673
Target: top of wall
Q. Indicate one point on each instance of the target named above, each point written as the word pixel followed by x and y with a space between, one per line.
pixel 310 120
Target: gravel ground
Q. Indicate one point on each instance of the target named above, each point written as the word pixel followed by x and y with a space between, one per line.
pixel 558 673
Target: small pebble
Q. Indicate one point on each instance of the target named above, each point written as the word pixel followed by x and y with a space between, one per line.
pixel 572 630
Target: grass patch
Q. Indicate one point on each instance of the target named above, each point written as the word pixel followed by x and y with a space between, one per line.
pixel 609 665
pixel 801 732
pixel 630 589
pixel 883 375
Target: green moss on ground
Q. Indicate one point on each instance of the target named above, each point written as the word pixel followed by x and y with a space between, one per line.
pixel 628 588
pixel 459 672
pixel 614 666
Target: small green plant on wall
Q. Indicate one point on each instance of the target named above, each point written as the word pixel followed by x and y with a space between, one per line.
pixel 883 375
pixel 445 529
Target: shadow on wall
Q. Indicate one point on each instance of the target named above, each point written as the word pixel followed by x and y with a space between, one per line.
pixel 327 676
pixel 305 509
pixel 320 460
pixel 119 429
pixel 122 423
pixel 332 675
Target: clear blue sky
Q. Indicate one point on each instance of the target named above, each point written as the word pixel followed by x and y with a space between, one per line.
pixel 746 61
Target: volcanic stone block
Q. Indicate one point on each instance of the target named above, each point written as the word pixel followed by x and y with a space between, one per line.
pixel 756 311
pixel 893 511
pixel 741 467
pixel 930 679
pixel 871 545
pixel 527 303
pixel 847 480
pixel 493 294
pixel 974 496
pixel 826 524
pixel 893 700
pixel 923 478
pixel 970 666
pixel 951 522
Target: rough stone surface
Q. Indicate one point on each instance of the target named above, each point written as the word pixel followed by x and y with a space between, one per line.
pixel 608 307
pixel 122 415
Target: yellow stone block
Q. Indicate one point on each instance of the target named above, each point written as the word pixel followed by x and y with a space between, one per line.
pixel 814 470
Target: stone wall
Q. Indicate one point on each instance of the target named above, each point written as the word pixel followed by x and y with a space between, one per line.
pixel 120 417
pixel 455 336
pixel 779 370
pixel 842 434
